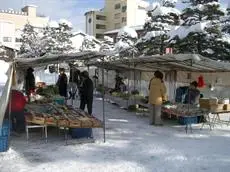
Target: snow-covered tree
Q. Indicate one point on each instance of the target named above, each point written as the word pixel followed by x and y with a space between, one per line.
pixel 61 36
pixel 31 45
pixel 126 39
pixel 162 17
pixel 201 29
pixel 226 22
pixel 52 39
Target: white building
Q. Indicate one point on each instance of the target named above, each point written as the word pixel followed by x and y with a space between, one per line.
pixel 7 33
pixel 115 15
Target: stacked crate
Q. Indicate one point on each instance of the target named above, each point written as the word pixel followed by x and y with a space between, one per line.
pixel 4 136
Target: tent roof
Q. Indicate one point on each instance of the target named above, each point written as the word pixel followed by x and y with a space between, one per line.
pixel 53 59
pixel 179 62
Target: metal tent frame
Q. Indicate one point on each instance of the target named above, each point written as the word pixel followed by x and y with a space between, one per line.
pixel 22 63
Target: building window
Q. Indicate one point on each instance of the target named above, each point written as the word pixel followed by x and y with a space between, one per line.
pixel 99 17
pixel 7 39
pixel 117 16
pixel 18 40
pixel 117 25
pixel 124 8
pixel 117 6
pixel 99 36
pixel 124 19
pixel 90 20
pixel 100 26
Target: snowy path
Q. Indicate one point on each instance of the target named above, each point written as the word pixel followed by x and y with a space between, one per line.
pixel 132 145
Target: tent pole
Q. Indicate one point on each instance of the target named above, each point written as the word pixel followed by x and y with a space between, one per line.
pixel 103 99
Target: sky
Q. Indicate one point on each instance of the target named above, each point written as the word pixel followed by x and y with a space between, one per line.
pixel 72 10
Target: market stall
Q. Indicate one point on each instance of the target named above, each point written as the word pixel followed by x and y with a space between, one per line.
pixel 60 115
pixel 171 65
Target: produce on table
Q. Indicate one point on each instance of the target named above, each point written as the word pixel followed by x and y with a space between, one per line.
pixel 60 115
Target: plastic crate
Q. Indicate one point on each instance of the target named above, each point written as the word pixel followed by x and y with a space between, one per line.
pixel 5 129
pixel 60 101
pixel 184 120
pixel 78 133
pixel 4 143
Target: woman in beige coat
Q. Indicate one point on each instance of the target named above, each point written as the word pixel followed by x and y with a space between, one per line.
pixel 157 95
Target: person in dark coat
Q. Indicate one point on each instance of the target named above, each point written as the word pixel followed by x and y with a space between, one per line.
pixel 29 81
pixel 86 92
pixel 193 94
pixel 74 81
pixel 62 83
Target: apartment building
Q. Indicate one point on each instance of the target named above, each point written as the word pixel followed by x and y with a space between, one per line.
pixel 12 22
pixel 115 15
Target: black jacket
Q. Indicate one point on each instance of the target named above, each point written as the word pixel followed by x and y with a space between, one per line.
pixel 30 82
pixel 74 76
pixel 62 84
pixel 86 89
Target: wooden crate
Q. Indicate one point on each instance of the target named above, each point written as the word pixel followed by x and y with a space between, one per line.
pixel 227 107
pixel 75 124
pixel 217 107
pixel 51 121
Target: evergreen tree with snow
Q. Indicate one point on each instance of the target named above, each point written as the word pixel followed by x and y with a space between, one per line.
pixel 61 37
pixel 126 39
pixel 161 18
pixel 30 42
pixel 49 39
pixel 203 32
pixel 226 22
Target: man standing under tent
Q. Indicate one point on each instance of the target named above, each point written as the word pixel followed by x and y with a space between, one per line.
pixel 157 95
pixel 86 92
pixel 74 81
pixel 29 82
pixel 62 83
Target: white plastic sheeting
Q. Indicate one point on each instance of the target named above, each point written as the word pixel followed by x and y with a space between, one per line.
pixel 6 94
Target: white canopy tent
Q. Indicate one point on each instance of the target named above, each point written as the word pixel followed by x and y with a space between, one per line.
pixel 20 64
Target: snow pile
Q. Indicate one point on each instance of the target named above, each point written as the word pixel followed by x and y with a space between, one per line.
pixel 66 22
pixel 127 32
pixel 126 40
pixel 183 31
pixel 225 38
pixel 53 24
pixel 89 44
pixel 202 7
pixel 157 9
pixel 161 10
pixel 142 3
pixel 107 44
pixel 149 35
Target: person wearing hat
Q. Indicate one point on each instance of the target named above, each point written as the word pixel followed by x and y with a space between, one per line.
pixel 157 95
pixel 62 83
pixel 29 82
pixel 86 92
pixel 74 81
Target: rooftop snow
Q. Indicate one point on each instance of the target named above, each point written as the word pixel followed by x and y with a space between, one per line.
pixel 183 31
pixel 127 31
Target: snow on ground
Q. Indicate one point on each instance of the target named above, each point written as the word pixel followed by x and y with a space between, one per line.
pixel 132 145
